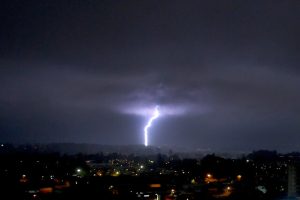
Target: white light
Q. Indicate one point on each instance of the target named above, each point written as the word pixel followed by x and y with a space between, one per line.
pixel 155 115
pixel 157 197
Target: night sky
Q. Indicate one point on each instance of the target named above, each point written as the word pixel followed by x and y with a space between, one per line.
pixel 225 74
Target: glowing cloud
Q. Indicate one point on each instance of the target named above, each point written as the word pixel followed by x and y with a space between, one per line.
pixel 146 110
pixel 154 116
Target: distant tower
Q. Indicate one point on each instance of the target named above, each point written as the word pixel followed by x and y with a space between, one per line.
pixel 292 181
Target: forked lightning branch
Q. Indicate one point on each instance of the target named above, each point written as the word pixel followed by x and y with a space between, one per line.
pixel 154 116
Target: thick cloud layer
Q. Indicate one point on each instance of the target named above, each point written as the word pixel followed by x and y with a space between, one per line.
pixel 225 75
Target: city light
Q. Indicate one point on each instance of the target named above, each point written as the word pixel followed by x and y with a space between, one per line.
pixel 133 174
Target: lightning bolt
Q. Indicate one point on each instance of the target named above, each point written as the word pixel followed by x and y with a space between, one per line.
pixel 154 116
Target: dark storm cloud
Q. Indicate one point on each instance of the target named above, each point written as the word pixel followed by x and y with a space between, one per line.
pixel 225 73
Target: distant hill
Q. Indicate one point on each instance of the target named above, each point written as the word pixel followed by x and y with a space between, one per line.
pixel 138 150
pixel 72 148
